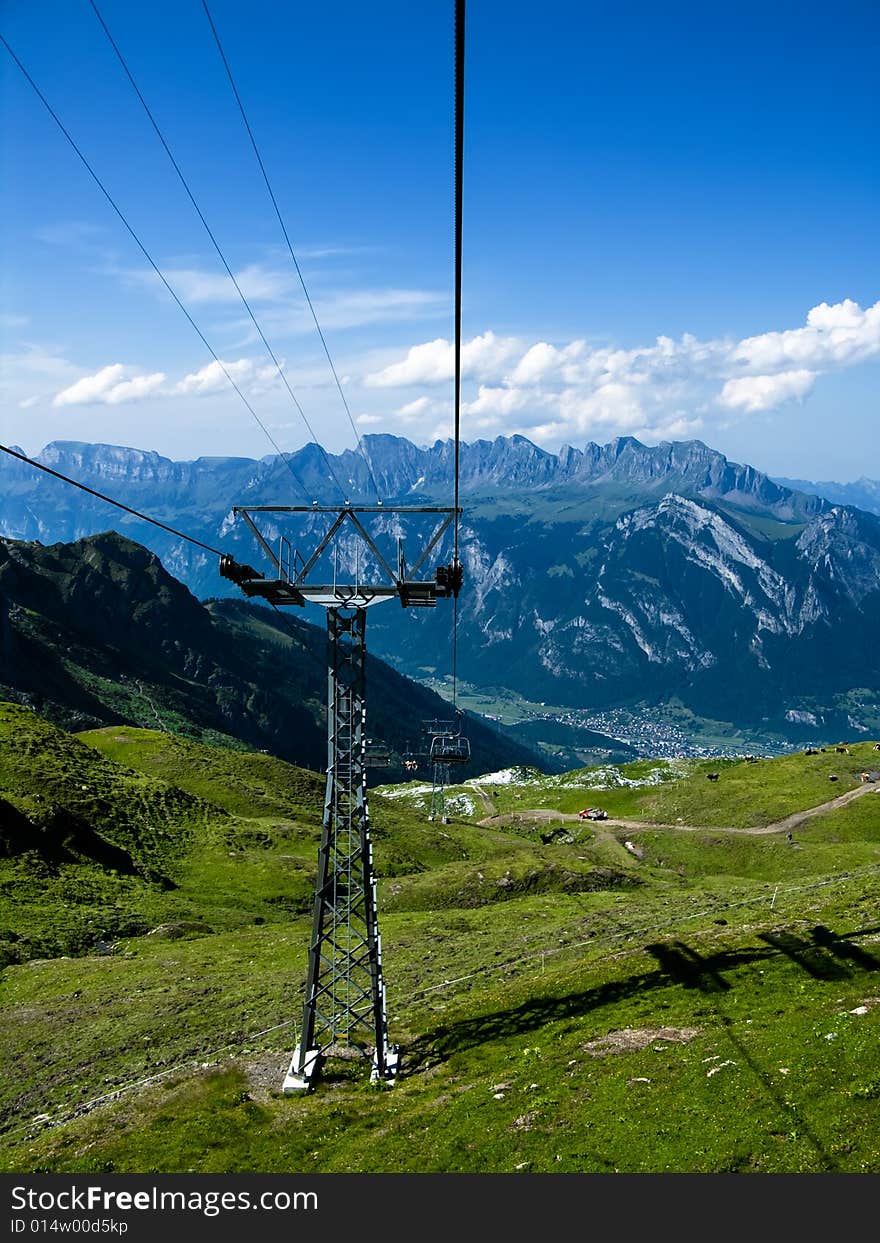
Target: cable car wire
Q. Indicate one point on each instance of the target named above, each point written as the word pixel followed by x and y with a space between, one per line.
pixel 149 258
pixel 459 185
pixel 293 257
pixel 459 188
pixel 215 243
pixel 109 499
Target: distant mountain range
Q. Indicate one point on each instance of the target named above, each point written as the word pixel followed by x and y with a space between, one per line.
pixel 863 494
pixel 97 632
pixel 620 574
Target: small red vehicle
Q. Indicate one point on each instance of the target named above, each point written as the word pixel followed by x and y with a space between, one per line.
pixel 593 813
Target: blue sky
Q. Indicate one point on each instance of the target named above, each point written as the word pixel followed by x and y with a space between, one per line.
pixel 670 225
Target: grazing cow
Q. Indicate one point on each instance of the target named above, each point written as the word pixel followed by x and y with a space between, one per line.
pixel 842 750
pixel 712 776
pixel 832 777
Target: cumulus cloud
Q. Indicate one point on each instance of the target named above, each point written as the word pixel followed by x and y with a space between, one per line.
pixel 542 359
pixel 498 400
pixel 833 336
pixel 118 383
pixel 110 386
pixel 434 362
pixel 764 392
pixel 669 388
pixel 215 377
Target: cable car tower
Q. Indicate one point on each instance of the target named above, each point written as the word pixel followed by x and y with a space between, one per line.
pixel 445 748
pixel 344 1004
pixel 345 990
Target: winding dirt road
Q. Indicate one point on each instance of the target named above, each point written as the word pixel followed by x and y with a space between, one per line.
pixel 635 826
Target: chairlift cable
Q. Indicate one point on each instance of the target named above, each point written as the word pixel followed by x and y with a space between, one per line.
pixel 293 257
pixel 149 258
pixel 214 242
pixel 459 180
pixel 110 500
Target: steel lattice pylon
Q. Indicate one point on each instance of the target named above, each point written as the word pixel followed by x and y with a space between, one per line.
pixel 440 779
pixel 345 990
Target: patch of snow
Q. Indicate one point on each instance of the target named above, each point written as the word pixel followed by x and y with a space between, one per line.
pixel 516 776
pixel 610 777
pixel 407 791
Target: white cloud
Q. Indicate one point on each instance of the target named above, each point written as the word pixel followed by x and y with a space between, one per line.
pixel 669 388
pixel 424 364
pixel 544 358
pixel 278 302
pixel 367 420
pixel 215 377
pixel 838 335
pixel 764 392
pixel 117 383
pixel 110 386
pixel 195 286
pixel 495 400
pixel 412 408
pixel 434 362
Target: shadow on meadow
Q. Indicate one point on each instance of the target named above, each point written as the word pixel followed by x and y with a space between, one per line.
pixel 826 955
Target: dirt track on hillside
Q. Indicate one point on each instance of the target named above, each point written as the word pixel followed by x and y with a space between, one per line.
pixel 778 826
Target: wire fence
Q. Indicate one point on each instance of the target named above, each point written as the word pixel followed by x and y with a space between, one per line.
pixel 206 1060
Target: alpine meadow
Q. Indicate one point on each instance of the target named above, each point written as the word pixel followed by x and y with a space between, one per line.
pixel 439 608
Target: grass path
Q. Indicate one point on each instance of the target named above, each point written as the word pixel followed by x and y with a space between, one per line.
pixel 488 806
pixel 778 826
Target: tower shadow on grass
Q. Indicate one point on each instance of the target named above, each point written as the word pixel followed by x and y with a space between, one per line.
pixel 843 948
pixel 826 956
pixel 443 1041
pixel 686 967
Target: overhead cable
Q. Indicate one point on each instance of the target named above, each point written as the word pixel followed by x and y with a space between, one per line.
pixel 214 242
pixel 149 258
pixel 459 183
pixel 293 257
pixel 110 500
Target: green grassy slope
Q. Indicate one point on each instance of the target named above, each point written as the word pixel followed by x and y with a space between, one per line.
pixel 745 795
pixel 710 1004
pixel 96 632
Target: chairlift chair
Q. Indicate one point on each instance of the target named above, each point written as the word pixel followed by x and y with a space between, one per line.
pixel 450 749
pixel 376 754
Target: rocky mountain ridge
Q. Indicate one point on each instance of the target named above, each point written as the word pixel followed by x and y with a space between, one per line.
pixel 607 576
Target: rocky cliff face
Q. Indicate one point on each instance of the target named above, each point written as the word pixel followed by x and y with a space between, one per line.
pixel 595 576
pixel 97 632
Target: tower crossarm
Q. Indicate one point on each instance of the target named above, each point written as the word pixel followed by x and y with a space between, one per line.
pixel 413 588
